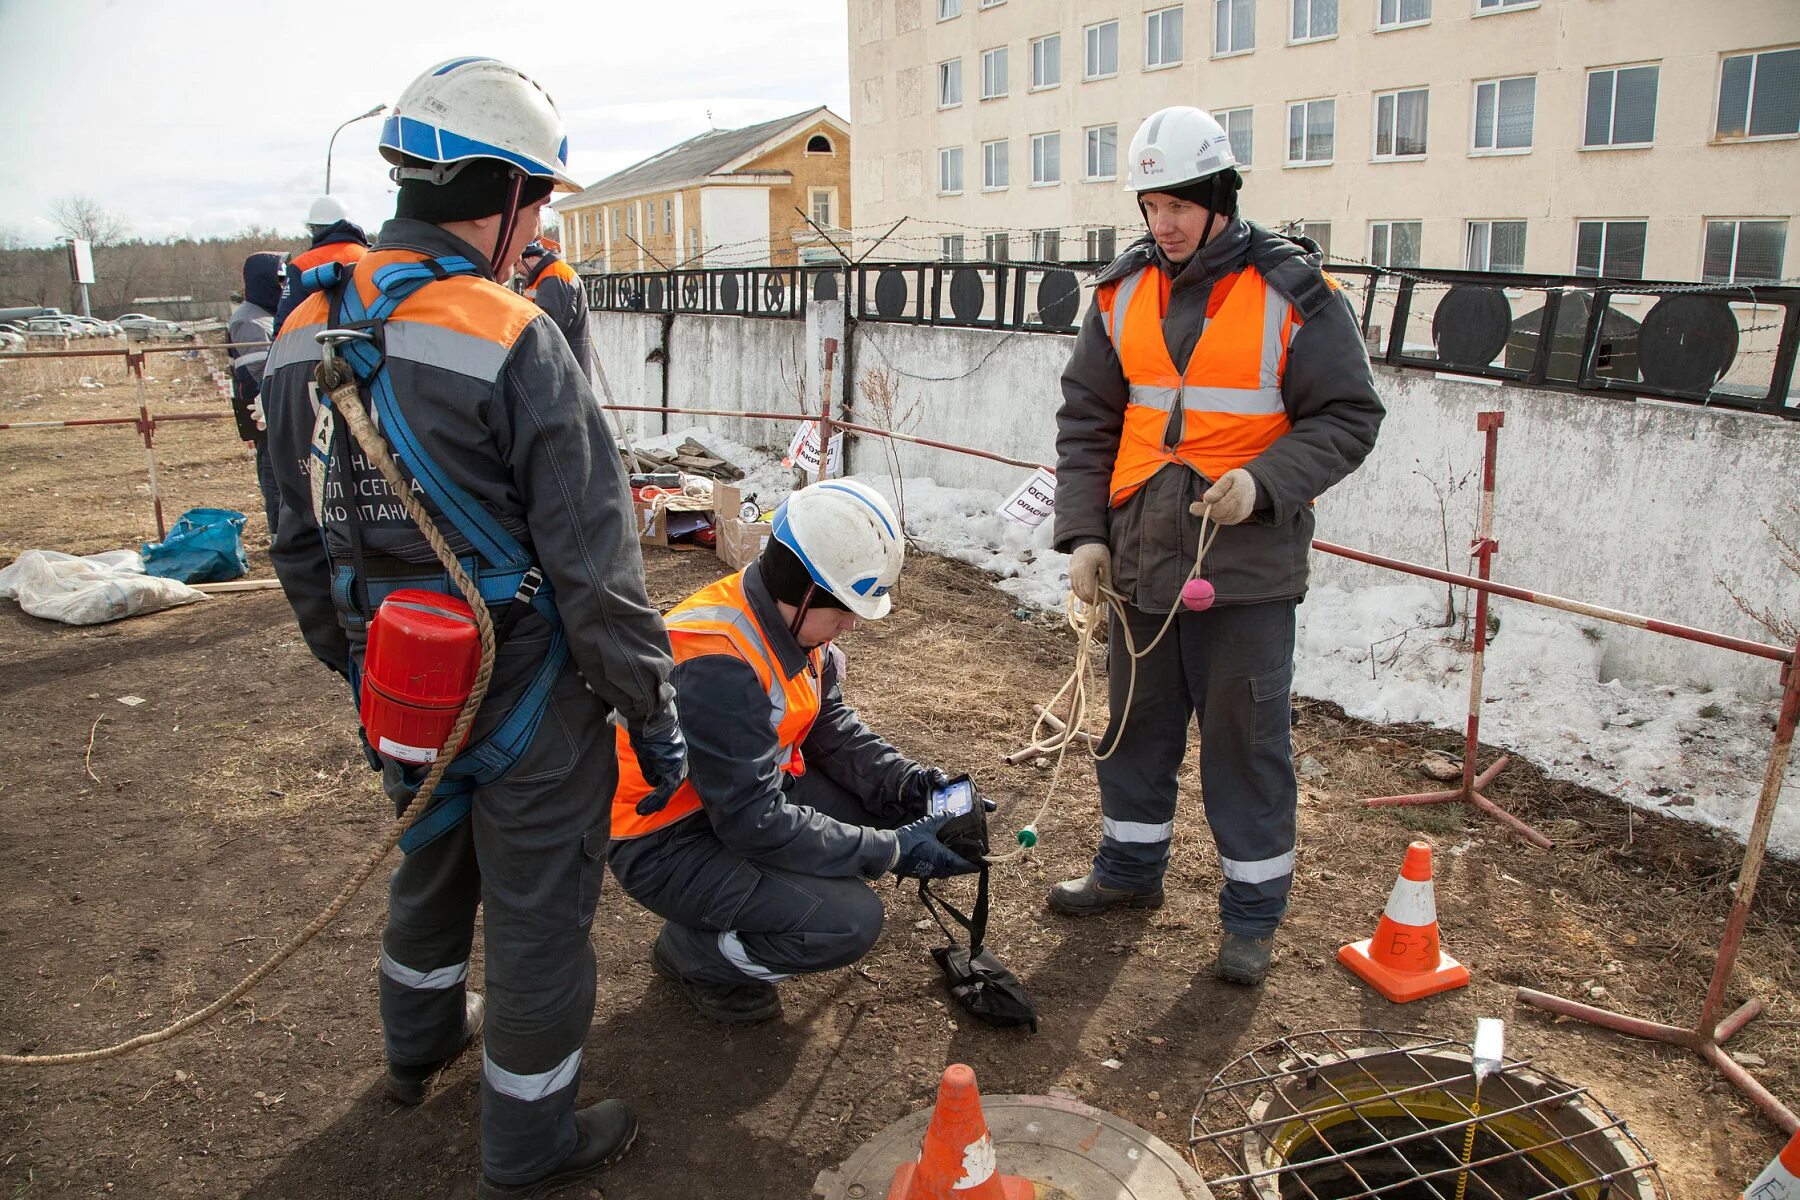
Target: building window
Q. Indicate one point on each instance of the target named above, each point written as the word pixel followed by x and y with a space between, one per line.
pixel 1610 249
pixel 693 242
pixel 1482 6
pixel 1046 158
pixel 818 143
pixel 1046 61
pixel 1759 95
pixel 950 83
pixel 649 218
pixel 1496 246
pixel 1394 243
pixel 950 247
pixel 1621 107
pixel 1312 132
pixel 1101 244
pixel 631 220
pixel 1320 232
pixel 993 73
pixel 1400 123
pixel 1238 127
pixel 616 224
pixel 1234 26
pixel 994 247
pixel 1744 251
pixel 1504 113
pixel 1046 245
pixel 669 217
pixel 821 207
pixel 1162 38
pixel 1103 152
pixel 992 3
pixel 950 169
pixel 1313 20
pixel 948 9
pixel 1397 14
pixel 996 171
pixel 1102 51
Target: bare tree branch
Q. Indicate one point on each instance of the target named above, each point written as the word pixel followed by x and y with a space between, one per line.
pixel 80 216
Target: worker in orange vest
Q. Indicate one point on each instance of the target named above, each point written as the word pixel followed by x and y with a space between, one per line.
pixel 1220 371
pixel 335 238
pixel 761 861
pixel 550 283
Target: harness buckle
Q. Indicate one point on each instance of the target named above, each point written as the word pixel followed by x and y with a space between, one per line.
pixel 530 584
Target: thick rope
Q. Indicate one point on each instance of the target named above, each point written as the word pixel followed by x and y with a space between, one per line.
pixel 335 378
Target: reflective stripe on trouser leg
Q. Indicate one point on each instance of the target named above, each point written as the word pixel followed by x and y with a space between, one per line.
pixel 424 968
pixel 1247 768
pixel 1138 783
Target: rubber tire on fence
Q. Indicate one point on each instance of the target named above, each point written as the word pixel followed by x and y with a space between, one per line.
pixel 967 294
pixel 1059 299
pixel 653 294
pixel 890 294
pixel 825 286
pixel 1471 325
pixel 1687 343
pixel 729 300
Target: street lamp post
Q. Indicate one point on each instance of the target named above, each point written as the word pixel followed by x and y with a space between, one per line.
pixel 373 112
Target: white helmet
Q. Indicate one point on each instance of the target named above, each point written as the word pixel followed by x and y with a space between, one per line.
pixel 848 539
pixel 1177 146
pixel 473 108
pixel 327 210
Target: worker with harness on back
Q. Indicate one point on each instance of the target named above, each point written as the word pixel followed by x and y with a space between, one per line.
pixel 489 415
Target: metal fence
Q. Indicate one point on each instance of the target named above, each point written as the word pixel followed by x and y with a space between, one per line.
pixel 1732 346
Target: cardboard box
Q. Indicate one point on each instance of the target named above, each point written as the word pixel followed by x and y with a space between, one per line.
pixel 738 541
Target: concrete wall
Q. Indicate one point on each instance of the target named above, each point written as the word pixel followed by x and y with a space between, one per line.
pixel 1639 506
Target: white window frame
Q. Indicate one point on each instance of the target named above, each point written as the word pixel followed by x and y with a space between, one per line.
pixel 669 215
pixel 1228 117
pixel 988 246
pixel 1038 158
pixel 1038 238
pixel 952 248
pixel 1486 226
pixel 991 3
pixel 1305 137
pixel 1229 6
pixel 1089 35
pixel 1325 246
pixel 1090 144
pixel 1094 237
pixel 1605 224
pixel 1755 57
pixel 996 70
pixel 1587 92
pixel 1041 56
pixel 1375 154
pixel 1294 8
pixel 949 10
pixel 1399 21
pixel 1493 8
pixel 947 155
pixel 948 70
pixel 813 196
pixel 1156 34
pixel 1477 151
pixel 1389 226
pixel 996 154
pixel 1737 224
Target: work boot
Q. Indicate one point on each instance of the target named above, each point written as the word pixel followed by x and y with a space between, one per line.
pixel 747 1003
pixel 408 1085
pixel 1244 960
pixel 1086 896
pixel 603 1133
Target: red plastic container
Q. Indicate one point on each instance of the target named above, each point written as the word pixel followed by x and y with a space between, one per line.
pixel 420 665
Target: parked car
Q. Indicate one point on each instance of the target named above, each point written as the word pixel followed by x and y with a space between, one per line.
pixel 10 340
pixel 96 327
pixel 138 325
pixel 57 326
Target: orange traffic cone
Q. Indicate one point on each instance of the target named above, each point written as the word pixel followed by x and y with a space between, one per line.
pixel 1403 960
pixel 1780 1180
pixel 957 1160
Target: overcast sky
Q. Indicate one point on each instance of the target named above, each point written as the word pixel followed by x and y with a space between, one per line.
pixel 202 117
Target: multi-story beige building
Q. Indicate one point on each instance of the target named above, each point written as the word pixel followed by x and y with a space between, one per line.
pixel 727 198
pixel 1636 138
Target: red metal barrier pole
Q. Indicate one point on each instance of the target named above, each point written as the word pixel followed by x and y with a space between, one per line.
pixel 155 417
pixel 1706 1038
pixel 147 427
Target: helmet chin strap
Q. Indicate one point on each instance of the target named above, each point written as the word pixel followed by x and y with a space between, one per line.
pixel 509 218
pixel 801 610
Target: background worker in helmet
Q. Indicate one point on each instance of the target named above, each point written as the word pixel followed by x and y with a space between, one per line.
pixel 249 332
pixel 760 863
pixel 1218 371
pixel 335 238
pixel 487 387
pixel 551 284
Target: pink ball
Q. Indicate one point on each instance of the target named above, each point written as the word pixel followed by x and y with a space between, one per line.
pixel 1197 595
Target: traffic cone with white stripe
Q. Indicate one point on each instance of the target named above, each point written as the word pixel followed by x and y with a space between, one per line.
pixel 1403 961
pixel 957 1160
pixel 1780 1180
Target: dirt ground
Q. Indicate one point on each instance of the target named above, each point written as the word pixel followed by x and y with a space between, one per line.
pixel 142 876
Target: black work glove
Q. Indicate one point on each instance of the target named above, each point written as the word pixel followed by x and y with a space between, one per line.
pixel 922 856
pixel 662 756
pixel 915 792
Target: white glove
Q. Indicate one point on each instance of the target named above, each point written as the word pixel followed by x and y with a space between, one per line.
pixel 1090 570
pixel 256 413
pixel 1230 500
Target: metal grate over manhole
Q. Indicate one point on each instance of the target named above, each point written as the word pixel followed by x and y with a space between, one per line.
pixel 1346 1113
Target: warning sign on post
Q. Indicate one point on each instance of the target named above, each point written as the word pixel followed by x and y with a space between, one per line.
pixel 803 451
pixel 1034 500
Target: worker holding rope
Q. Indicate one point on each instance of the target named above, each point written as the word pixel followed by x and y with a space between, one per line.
pixel 1272 403
pixel 525 506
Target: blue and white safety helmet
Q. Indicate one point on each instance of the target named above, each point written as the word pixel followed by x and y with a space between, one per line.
pixel 473 108
pixel 849 540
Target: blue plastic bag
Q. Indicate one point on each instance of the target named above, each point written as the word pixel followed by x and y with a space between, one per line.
pixel 206 546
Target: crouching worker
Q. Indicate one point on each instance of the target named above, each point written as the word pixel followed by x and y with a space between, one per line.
pixel 762 860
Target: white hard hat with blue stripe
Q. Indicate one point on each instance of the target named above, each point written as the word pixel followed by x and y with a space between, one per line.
pixel 466 109
pixel 847 537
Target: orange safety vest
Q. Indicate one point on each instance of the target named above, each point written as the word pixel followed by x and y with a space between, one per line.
pixel 718 620
pixel 1230 392
pixel 555 267
pixel 318 256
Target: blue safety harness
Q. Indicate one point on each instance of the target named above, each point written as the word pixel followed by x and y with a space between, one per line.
pixel 501 567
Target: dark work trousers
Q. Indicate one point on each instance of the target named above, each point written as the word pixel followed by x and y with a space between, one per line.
pixel 265 479
pixel 730 920
pixel 532 855
pixel 1233 666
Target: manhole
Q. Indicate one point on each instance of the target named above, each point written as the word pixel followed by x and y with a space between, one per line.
pixel 1348 1113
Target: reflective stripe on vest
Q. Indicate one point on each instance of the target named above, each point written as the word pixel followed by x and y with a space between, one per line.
pixel 549 265
pixel 717 620
pixel 1229 395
